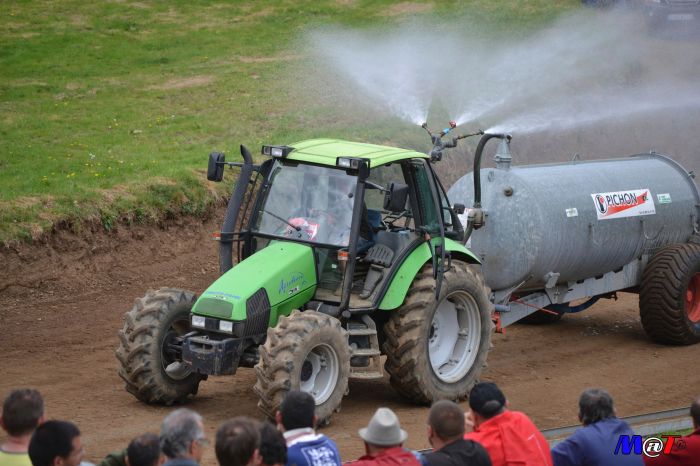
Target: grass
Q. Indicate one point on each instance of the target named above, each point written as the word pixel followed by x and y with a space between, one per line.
pixel 108 109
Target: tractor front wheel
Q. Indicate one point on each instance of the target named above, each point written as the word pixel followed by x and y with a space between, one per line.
pixel 437 348
pixel 150 350
pixel 306 351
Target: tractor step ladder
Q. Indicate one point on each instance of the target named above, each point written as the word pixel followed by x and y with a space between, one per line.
pixel 374 369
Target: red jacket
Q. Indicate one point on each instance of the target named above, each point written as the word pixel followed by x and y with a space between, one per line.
pixel 512 440
pixel 685 452
pixel 392 457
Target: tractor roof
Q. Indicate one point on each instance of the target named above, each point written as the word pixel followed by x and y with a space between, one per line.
pixel 325 152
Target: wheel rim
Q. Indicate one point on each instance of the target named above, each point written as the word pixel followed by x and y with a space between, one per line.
pixel 319 373
pixel 455 335
pixel 171 351
pixel 692 299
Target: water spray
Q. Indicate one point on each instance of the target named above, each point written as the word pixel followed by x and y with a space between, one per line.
pixel 439 145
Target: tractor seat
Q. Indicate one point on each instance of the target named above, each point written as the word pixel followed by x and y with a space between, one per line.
pixel 380 255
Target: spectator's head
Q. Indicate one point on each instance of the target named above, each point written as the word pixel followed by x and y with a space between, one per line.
pixel 445 423
pixel 695 413
pixel 273 448
pixel 595 404
pixel 182 435
pixel 144 450
pixel 383 432
pixel 297 411
pixel 237 442
pixel 486 400
pixel 56 443
pixel 22 412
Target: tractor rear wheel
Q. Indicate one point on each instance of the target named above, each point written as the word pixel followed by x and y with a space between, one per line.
pixel 669 295
pixel 437 348
pixel 150 350
pixel 306 351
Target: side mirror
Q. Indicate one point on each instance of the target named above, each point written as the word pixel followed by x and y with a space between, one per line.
pixel 215 170
pixel 395 199
pixel 459 209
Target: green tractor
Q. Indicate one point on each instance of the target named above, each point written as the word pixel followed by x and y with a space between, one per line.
pixel 346 252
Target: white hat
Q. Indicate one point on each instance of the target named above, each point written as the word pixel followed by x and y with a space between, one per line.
pixel 383 429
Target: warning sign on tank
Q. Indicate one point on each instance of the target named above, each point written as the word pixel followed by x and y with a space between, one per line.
pixel 621 204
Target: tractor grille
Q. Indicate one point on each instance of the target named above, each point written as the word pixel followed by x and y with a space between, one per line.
pixel 257 313
pixel 215 308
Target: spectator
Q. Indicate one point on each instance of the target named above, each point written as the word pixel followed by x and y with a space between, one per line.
pixel 297 420
pixel 446 436
pixel 594 444
pixel 56 443
pixel 510 437
pixel 384 439
pixel 273 448
pixel 237 443
pixel 22 412
pixel 182 438
pixel 685 450
pixel 143 450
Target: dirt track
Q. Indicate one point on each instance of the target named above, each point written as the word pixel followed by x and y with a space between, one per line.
pixel 62 304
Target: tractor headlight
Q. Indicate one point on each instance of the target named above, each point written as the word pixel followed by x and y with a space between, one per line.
pixel 226 326
pixel 277 151
pixel 198 321
pixel 347 163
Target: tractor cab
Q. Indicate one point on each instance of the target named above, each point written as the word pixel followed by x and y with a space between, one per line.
pixel 360 214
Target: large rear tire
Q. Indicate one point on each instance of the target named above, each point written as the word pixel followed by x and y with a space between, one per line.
pixel 669 295
pixel 436 349
pixel 306 351
pixel 149 353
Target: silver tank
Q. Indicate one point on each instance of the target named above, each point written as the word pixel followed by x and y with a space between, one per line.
pixel 565 218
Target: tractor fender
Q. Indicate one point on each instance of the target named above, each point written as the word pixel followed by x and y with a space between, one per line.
pixel 400 283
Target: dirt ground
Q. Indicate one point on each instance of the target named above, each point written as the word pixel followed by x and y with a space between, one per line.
pixel 62 304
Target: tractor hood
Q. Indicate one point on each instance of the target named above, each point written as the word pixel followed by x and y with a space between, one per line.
pixel 278 278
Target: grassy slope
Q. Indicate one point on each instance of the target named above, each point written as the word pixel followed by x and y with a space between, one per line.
pixel 108 109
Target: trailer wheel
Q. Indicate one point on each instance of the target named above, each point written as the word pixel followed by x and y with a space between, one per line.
pixel 436 349
pixel 669 297
pixel 150 351
pixel 306 351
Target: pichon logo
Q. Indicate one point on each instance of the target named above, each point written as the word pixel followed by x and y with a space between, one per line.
pixel 618 202
pixel 650 447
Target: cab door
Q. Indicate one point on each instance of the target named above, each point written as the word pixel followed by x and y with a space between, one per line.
pixel 429 221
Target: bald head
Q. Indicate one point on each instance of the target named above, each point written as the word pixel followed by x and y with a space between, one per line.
pixel 695 412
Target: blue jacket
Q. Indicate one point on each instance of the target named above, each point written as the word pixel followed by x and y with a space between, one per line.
pixel 313 450
pixel 594 445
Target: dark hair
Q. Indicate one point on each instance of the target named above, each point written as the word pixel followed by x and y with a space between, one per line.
pixel 297 409
pixel 52 439
pixel 180 428
pixel 695 411
pixel 595 404
pixel 21 411
pixel 486 399
pixel 236 441
pixel 447 420
pixel 273 447
pixel 144 450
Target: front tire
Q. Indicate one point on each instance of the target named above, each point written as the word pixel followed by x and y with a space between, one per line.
pixel 306 351
pixel 669 295
pixel 436 349
pixel 151 364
